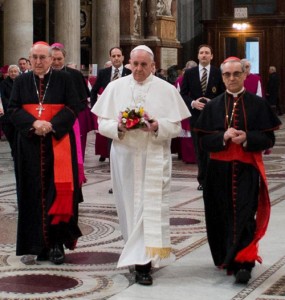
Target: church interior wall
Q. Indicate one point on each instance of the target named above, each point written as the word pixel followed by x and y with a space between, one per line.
pixel 140 22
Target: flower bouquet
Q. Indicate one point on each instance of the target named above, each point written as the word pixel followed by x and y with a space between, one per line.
pixel 133 118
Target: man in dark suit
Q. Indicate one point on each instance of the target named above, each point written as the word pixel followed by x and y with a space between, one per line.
pixel 23 65
pixel 106 75
pixel 272 90
pixel 200 84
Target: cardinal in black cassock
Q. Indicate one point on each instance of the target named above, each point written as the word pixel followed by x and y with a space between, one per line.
pixel 235 128
pixel 43 107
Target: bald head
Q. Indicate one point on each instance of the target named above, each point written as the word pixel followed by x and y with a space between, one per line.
pixel 272 69
pixel 40 57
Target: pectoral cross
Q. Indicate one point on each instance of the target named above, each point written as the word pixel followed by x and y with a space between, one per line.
pixel 40 109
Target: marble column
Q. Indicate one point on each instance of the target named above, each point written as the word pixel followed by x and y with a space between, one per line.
pixel 189 13
pixel 107 29
pixel 94 32
pixel 151 31
pixel 67 28
pixel 18 29
pixel 207 9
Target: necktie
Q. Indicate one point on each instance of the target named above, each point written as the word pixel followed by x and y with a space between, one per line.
pixel 116 74
pixel 204 81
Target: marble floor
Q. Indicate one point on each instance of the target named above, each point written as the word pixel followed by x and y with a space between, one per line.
pixel 90 271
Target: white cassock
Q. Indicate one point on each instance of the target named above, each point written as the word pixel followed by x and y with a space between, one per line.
pixel 141 165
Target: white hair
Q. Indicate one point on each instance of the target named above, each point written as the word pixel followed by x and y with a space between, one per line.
pixel 14 67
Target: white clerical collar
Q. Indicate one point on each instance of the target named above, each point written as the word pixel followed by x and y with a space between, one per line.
pixel 59 68
pixel 235 94
pixel 42 76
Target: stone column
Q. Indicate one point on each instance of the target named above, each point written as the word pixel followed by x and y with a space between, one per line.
pixel 94 32
pixel 151 32
pixel 18 29
pixel 207 9
pixel 67 28
pixel 189 14
pixel 107 29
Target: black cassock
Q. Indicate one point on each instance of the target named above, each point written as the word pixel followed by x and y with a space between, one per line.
pixel 34 161
pixel 8 128
pixel 80 86
pixel 236 217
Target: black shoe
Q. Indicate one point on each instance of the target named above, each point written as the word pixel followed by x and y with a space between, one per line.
pixel 56 255
pixel 102 158
pixel 243 276
pixel 200 187
pixel 44 255
pixel 110 191
pixel 143 278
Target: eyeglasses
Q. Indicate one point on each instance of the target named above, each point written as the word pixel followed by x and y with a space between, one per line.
pixel 234 74
pixel 40 57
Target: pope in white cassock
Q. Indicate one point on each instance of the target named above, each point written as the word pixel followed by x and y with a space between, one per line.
pixel 141 113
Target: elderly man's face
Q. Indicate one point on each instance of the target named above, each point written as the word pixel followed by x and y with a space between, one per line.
pixel 233 76
pixel 13 72
pixel 142 64
pixel 247 68
pixel 40 59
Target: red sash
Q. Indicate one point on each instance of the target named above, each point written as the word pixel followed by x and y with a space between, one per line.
pixel 62 207
pixel 236 152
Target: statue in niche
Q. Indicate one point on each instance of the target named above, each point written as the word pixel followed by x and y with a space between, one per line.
pixel 163 8
pixel 137 16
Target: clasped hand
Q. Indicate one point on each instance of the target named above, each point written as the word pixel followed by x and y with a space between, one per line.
pixel 236 136
pixel 42 127
pixel 153 126
pixel 200 103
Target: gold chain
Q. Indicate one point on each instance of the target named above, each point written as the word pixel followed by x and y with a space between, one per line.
pixel 229 122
